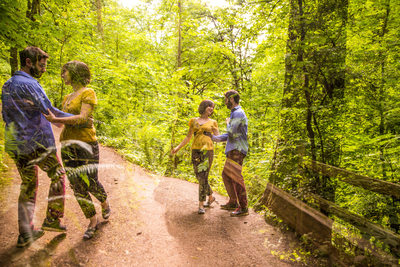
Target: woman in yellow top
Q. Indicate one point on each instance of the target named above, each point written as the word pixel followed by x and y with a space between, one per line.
pixel 80 149
pixel 202 150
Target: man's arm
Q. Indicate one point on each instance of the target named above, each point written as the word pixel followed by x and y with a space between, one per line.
pixel 217 138
pixel 40 100
pixel 59 113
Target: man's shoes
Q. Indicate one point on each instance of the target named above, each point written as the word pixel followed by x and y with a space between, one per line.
pixel 28 238
pixel 240 212
pixel 54 226
pixel 229 206
pixel 201 211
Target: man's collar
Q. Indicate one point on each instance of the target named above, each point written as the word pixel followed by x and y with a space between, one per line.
pixel 22 73
pixel 235 108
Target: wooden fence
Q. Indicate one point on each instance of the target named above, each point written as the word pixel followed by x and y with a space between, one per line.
pixel 312 222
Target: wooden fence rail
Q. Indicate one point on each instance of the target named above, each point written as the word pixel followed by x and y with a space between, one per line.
pixel 307 220
pixel 349 177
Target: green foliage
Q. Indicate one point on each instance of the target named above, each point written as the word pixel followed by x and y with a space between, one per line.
pixel 145 101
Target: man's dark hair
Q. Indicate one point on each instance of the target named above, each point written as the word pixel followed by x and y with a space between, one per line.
pixel 34 53
pixel 78 71
pixel 234 94
pixel 205 104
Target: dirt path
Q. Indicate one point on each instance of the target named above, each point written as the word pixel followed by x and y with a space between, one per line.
pixel 154 222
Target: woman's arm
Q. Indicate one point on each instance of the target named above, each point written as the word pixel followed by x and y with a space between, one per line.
pixel 184 141
pixel 86 111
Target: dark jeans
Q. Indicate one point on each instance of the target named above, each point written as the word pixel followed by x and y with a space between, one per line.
pixel 27 166
pixel 233 178
pixel 81 162
pixel 202 161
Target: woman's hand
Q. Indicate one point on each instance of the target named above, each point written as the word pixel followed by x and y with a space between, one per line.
pixel 50 117
pixel 174 150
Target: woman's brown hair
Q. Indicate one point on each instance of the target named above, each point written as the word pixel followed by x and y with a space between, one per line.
pixel 205 104
pixel 78 71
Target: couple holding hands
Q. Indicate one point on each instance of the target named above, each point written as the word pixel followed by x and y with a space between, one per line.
pixel 205 131
pixel 27 113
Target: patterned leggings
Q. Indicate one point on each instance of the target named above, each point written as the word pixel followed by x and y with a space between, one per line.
pixel 81 164
pixel 202 161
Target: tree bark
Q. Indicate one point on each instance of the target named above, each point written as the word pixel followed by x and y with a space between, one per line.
pixel 179 49
pixel 13 59
pixel 99 7
pixel 33 9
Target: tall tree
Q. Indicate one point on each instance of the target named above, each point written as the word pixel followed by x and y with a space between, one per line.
pixel 13 25
pixel 313 93
pixel 99 8
pixel 373 99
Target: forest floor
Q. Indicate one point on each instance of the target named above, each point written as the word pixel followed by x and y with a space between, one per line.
pixel 154 222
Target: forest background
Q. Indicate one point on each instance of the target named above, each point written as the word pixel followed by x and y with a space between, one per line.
pixel 317 75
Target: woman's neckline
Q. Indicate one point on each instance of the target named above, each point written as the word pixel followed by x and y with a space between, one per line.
pixel 203 122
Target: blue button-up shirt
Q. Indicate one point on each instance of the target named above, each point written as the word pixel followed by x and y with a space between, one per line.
pixel 236 135
pixel 23 102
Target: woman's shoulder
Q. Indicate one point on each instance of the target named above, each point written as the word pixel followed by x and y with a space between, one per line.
pixel 193 119
pixel 87 90
pixel 89 95
pixel 68 95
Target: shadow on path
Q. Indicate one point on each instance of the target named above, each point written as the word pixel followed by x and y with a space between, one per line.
pixel 37 259
pixel 80 253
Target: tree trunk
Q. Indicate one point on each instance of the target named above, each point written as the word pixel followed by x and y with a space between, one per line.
pixel 99 8
pixel 13 59
pixel 179 50
pixel 313 90
pixel 33 9
pixel 173 161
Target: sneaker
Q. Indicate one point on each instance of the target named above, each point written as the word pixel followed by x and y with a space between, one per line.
pixel 28 238
pixel 209 202
pixel 201 211
pixel 54 226
pixel 229 206
pixel 106 212
pixel 240 212
pixel 89 233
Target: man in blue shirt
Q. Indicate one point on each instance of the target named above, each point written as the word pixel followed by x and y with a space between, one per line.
pixel 235 150
pixel 30 142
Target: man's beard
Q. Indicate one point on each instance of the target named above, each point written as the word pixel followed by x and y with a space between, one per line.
pixel 35 72
pixel 229 105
